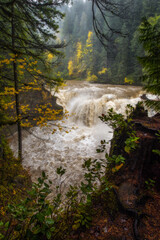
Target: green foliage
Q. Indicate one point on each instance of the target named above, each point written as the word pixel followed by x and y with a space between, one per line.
pixel 114 159
pixel 14 180
pixel 3 228
pixel 124 128
pixel 102 147
pixel 38 218
pixel 34 221
pixel 106 186
pixel 156 150
pixel 83 217
pixel 131 143
pixel 150 39
pixel 116 120
pixel 8 163
pixel 150 183
pixel 60 171
pixel 93 174
pixel 123 125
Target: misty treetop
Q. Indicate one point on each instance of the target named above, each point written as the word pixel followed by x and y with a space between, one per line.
pixel 123 47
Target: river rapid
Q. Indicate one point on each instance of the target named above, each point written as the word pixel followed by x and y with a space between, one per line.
pixel 81 133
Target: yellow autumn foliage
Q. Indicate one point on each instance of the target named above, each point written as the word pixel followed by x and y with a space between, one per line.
pixel 45 112
pixel 70 67
pixel 127 80
pixel 103 71
pixel 89 43
pixel 116 168
pixel 79 51
pixel 50 56
pixel 8 91
pixel 92 77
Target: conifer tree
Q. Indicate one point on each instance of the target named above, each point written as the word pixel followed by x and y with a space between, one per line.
pixel 150 39
pixel 28 30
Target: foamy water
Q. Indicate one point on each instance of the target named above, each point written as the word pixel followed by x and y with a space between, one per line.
pixel 85 102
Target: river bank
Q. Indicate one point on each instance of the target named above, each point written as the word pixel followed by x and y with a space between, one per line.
pixel 134 214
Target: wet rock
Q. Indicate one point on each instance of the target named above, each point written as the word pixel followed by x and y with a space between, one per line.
pixel 139 111
pixel 127 195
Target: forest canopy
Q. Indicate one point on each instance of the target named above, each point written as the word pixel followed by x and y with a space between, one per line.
pixel 117 29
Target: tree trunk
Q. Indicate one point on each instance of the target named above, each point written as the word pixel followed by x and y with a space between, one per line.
pixel 16 89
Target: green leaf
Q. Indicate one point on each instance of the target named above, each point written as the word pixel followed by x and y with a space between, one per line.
pixel 48 234
pixel 40 217
pixel 89 218
pixel 46 185
pixel 49 211
pixel 83 222
pixel 127 149
pixel 43 174
pixel 1 236
pixel 52 229
pixel 1 223
pixel 77 221
pixel 40 180
pixel 76 226
pixel 36 230
pixel 98 150
pixel 6 224
pixel 156 151
pixel 49 221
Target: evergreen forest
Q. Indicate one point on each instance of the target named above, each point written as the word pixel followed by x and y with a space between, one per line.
pixel 87 58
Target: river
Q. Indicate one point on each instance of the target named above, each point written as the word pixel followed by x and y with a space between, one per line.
pixel 81 133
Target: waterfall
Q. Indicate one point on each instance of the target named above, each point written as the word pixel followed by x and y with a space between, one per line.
pixel 81 133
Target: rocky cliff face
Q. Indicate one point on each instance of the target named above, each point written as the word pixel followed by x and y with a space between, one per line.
pixel 137 182
pixel 34 99
pixel 143 159
pixel 129 211
pixel 38 97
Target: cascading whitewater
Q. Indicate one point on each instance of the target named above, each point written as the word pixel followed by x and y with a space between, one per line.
pixel 81 133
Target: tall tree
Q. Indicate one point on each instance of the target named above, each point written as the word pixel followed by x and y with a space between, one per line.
pixel 120 54
pixel 150 39
pixel 111 8
pixel 28 30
